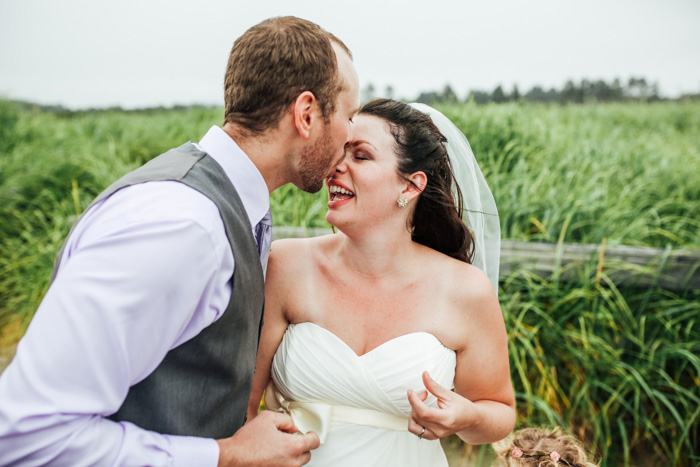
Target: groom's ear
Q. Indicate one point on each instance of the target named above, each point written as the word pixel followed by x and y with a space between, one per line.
pixel 418 182
pixel 304 113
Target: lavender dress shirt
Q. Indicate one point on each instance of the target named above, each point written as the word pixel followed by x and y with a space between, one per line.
pixel 121 300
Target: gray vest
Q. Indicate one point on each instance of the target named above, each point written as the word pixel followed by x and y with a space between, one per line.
pixel 201 388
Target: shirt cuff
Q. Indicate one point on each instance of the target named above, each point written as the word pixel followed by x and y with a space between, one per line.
pixel 190 450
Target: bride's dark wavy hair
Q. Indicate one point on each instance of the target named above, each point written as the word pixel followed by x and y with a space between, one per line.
pixel 437 221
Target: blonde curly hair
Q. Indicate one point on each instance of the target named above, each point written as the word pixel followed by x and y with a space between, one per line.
pixel 534 447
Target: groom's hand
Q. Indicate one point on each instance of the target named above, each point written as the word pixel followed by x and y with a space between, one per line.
pixel 269 439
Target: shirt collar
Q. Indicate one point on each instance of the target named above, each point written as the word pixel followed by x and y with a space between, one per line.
pixel 247 179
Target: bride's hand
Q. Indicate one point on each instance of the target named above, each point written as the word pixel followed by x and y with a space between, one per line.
pixel 454 412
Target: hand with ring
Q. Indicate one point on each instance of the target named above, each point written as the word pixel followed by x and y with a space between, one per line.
pixel 452 414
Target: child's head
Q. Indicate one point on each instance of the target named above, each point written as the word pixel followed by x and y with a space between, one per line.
pixel 535 447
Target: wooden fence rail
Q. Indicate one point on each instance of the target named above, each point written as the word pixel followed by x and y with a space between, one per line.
pixel 625 265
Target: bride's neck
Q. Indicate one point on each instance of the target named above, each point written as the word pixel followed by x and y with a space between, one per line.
pixel 377 253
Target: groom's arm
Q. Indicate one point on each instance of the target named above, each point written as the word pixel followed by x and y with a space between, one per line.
pixel 130 289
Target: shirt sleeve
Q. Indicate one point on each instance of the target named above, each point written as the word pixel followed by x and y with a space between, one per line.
pixel 137 279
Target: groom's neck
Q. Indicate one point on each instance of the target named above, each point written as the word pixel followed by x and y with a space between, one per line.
pixel 267 152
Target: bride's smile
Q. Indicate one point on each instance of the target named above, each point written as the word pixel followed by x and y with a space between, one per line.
pixel 338 193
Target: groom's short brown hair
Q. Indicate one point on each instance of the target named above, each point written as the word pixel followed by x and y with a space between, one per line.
pixel 271 64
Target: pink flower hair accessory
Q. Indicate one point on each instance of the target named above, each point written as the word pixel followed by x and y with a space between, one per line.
pixel 517 453
pixel 555 456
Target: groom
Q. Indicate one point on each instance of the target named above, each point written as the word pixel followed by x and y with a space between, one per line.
pixel 143 349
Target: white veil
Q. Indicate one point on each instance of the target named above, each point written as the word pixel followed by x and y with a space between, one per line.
pixel 480 213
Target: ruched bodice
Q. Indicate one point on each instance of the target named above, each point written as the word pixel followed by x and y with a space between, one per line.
pixel 314 366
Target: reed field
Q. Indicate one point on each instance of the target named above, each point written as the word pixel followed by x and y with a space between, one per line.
pixel 618 367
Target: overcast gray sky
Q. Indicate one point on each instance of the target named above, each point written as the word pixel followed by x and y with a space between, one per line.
pixel 135 53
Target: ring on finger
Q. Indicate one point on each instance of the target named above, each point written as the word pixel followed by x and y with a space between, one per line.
pixel 420 436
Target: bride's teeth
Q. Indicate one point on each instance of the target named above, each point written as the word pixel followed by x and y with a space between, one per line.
pixel 341 190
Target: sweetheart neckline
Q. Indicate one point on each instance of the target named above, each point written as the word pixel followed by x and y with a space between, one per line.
pixel 331 333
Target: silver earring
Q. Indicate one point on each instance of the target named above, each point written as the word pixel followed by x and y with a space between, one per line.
pixel 402 201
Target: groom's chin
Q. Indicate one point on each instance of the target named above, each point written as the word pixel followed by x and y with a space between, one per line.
pixel 310 186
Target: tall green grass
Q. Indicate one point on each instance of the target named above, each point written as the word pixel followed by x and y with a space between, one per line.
pixel 51 167
pixel 628 173
pixel 618 367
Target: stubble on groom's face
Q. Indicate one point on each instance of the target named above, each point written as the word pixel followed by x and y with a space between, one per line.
pixel 320 158
pixel 317 161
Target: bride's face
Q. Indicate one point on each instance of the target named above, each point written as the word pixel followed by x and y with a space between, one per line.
pixel 365 184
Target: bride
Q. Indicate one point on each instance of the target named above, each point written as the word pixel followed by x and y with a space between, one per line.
pixel 367 330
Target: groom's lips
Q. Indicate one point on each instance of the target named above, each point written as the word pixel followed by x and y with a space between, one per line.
pixel 336 199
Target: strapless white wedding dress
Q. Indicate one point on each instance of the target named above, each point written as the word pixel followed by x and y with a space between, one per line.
pixel 358 404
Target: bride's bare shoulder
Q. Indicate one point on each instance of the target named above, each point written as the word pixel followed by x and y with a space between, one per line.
pixel 476 299
pixel 297 255
pixel 467 286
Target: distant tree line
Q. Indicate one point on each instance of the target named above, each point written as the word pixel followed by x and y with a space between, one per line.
pixel 635 89
pixel 67 112
pixel 584 91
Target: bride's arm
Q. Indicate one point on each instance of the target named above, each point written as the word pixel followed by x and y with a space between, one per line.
pixel 483 371
pixel 275 324
pixel 482 408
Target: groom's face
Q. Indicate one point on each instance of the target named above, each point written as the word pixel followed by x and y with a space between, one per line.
pixel 323 154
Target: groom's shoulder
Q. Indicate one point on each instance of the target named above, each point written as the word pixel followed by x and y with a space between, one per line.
pixel 160 202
